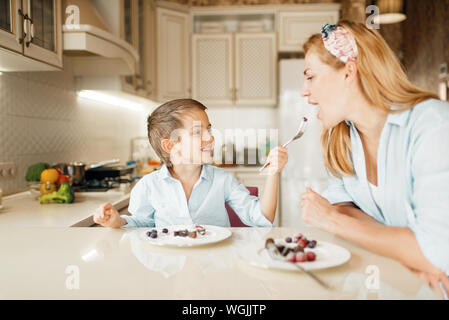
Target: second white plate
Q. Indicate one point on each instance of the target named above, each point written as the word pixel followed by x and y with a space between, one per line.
pixel 327 255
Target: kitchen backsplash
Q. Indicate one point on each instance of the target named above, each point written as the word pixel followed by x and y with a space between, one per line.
pixel 43 119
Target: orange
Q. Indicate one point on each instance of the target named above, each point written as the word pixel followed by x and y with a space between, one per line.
pixel 50 175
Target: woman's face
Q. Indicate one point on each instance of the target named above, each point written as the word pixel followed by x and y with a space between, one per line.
pixel 326 87
pixel 196 142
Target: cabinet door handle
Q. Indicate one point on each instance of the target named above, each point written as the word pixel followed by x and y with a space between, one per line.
pixel 31 32
pixel 25 28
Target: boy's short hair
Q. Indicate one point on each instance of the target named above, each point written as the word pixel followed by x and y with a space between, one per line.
pixel 164 120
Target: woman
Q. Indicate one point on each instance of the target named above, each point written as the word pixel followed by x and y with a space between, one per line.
pixel 386 145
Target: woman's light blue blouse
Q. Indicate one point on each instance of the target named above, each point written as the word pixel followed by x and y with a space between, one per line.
pixel 412 176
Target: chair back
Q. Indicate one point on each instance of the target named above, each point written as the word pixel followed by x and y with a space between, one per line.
pixel 233 217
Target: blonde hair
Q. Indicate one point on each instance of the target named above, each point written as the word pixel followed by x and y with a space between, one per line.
pixel 382 79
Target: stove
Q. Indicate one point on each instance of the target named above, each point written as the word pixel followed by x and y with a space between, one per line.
pixel 102 185
pixel 105 178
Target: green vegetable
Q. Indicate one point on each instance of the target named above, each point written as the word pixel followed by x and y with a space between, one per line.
pixel 34 171
pixel 65 194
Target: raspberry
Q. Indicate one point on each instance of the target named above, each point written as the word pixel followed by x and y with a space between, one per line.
pixel 291 257
pixel 301 257
pixel 311 256
pixel 302 243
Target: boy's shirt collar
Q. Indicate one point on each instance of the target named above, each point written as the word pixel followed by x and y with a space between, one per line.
pixel 165 174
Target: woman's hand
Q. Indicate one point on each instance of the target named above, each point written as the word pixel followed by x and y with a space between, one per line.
pixel 277 158
pixel 317 211
pixel 434 280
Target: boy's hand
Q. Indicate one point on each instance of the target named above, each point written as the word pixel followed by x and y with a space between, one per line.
pixel 277 158
pixel 107 216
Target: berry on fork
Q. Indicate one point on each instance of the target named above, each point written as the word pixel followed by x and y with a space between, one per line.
pixel 302 243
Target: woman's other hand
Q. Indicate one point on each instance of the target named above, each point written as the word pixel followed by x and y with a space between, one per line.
pixel 317 210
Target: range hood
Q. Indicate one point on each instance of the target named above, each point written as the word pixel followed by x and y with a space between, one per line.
pixel 95 51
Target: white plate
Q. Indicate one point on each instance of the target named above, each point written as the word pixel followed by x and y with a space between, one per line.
pixel 327 255
pixel 213 234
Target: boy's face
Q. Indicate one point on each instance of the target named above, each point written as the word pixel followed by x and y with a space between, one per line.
pixel 196 143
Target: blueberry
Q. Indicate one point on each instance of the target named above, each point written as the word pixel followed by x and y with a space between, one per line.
pixel 288 240
pixel 165 230
pixel 153 235
pixel 312 244
pixel 149 233
pixel 154 231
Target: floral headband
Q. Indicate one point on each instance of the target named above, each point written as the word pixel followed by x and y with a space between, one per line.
pixel 339 42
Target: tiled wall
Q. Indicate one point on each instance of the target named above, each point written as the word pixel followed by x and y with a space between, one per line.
pixel 42 119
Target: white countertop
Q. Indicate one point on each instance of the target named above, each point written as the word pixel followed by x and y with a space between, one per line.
pixel 103 263
pixel 23 209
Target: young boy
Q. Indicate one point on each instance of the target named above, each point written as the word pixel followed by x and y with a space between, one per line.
pixel 187 190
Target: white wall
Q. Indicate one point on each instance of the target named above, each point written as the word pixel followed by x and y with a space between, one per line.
pixel 42 119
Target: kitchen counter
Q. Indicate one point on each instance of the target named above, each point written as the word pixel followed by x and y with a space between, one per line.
pixel 23 209
pixel 103 263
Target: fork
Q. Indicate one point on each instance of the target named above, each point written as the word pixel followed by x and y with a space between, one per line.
pixel 299 133
pixel 276 255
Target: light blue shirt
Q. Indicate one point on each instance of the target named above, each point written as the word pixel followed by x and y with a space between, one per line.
pixel 412 177
pixel 159 200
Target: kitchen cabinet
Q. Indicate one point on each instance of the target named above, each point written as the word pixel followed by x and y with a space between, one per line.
pixel 30 35
pixel 234 68
pixel 10 25
pixel 173 72
pixel 212 68
pixel 160 35
pixel 130 33
pixel 255 69
pixel 297 26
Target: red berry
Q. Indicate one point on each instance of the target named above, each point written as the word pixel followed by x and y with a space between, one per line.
pixel 311 256
pixel 301 257
pixel 302 243
pixel 291 257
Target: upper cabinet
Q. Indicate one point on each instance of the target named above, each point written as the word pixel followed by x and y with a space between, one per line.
pixel 213 68
pixel 44 33
pixel 173 72
pixel 138 29
pixel 10 25
pixel 234 69
pixel 295 27
pixel 30 35
pixel 255 69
